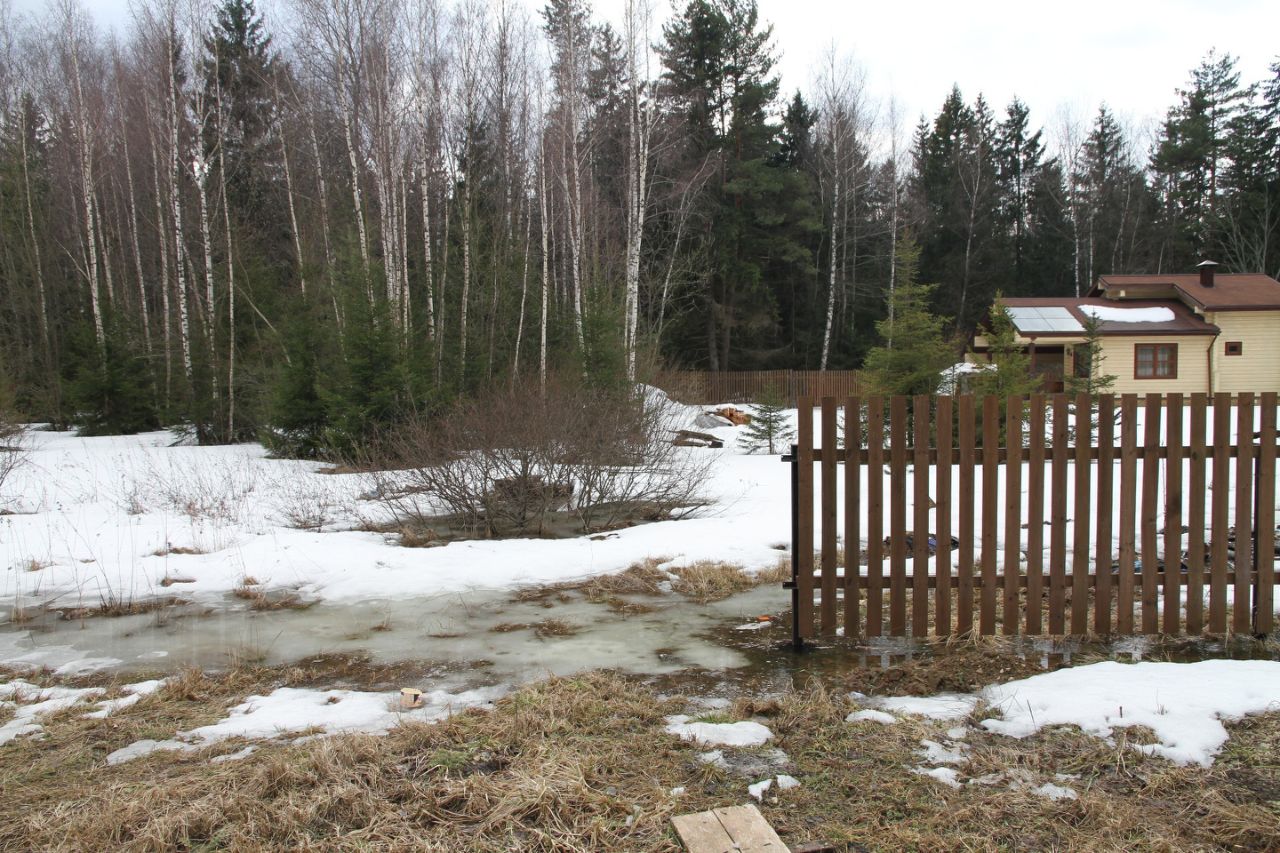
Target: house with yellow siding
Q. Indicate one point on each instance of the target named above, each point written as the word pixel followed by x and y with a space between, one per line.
pixel 1206 332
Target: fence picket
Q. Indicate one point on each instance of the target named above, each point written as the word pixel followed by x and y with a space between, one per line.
pixel 1012 513
pixel 1058 519
pixel 829 502
pixel 920 519
pixel 1128 511
pixel 1173 514
pixel 1243 596
pixel 1035 515
pixel 875 515
pixel 852 517
pixel 942 516
pixel 990 515
pixel 1102 546
pixel 1197 498
pixel 1150 510
pixel 1221 518
pixel 1080 540
pixel 804 510
pixel 898 516
pixel 1265 523
pixel 964 603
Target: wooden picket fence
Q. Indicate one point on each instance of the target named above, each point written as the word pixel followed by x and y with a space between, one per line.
pixel 950 456
pixel 699 387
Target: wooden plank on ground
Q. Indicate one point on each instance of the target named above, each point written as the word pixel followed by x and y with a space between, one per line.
pixel 1196 501
pixel 1242 600
pixel 702 832
pixel 1220 513
pixel 942 519
pixel 1263 607
pixel 898 516
pixel 1106 482
pixel 965 533
pixel 804 510
pixel 990 512
pixel 1035 516
pixel 1150 513
pixel 920 519
pixel 1058 519
pixel 1080 539
pixel 730 829
pixel 1172 514
pixel 749 830
pixel 852 519
pixel 1128 511
pixel 829 530
pixel 1012 515
pixel 875 514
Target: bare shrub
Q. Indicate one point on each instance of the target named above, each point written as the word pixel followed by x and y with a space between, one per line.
pixel 519 463
pixel 13 448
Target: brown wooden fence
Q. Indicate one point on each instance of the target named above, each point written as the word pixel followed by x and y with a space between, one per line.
pixel 1112 516
pixel 701 387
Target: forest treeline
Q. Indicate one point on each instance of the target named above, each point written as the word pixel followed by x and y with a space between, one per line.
pixel 309 228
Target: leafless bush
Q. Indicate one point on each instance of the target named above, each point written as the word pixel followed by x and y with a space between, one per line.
pixel 519 463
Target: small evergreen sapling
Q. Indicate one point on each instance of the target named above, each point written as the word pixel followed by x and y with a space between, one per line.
pixel 769 429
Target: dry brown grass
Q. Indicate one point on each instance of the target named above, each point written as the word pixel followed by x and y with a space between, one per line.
pixel 130 607
pixel 582 764
pixel 263 599
pixel 543 629
pixel 709 580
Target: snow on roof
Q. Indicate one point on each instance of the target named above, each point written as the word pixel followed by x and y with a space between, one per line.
pixel 1108 314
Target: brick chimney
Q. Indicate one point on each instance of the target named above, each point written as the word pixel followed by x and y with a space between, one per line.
pixel 1206 272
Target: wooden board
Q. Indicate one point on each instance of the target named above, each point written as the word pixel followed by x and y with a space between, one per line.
pixel 1012 516
pixel 964 602
pixel 1058 519
pixel 1197 499
pixel 852 519
pixel 734 829
pixel 1172 513
pixel 1150 512
pixel 875 514
pixel 942 515
pixel 1128 511
pixel 920 519
pixel 829 475
pixel 1035 516
pixel 898 516
pixel 1106 482
pixel 1265 523
pixel 1080 530
pixel 1220 518
pixel 990 512
pixel 1241 603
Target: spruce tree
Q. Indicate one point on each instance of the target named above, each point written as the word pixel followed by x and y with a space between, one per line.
pixel 1010 372
pixel 770 428
pixel 921 351
pixel 1091 381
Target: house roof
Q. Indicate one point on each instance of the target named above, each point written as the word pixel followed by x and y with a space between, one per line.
pixel 1230 292
pixel 1034 321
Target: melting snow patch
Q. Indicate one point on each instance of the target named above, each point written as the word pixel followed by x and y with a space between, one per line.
pixel 234 756
pixel 871 716
pixel 757 790
pixel 745 733
pixel 1055 792
pixel 133 693
pixel 944 706
pixel 292 709
pixel 786 783
pixel 936 753
pixel 1184 704
pixel 715 758
pixel 31 702
pixel 945 775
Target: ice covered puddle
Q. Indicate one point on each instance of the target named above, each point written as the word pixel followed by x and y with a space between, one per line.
pixel 1184 704
pixel 745 733
pixel 1108 314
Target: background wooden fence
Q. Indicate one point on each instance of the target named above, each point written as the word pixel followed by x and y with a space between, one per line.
pixel 1113 509
pixel 702 387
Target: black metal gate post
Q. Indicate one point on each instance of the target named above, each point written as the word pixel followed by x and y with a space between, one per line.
pixel 797 641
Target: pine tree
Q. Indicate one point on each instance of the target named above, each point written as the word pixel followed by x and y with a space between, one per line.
pixel 770 428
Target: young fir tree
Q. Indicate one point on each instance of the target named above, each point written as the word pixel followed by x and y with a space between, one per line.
pixel 769 429
pixel 1010 371
pixel 921 351
pixel 1091 381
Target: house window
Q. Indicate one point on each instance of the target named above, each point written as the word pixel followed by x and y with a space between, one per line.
pixel 1155 361
pixel 1235 347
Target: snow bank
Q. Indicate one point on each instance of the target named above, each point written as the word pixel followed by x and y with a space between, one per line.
pixel 1108 314
pixel 745 733
pixel 30 703
pixel 1184 704
pixel 944 706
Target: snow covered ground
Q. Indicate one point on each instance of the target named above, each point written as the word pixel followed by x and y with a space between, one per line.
pixel 120 519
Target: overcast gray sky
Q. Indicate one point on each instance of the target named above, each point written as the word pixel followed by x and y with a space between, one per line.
pixel 1055 56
